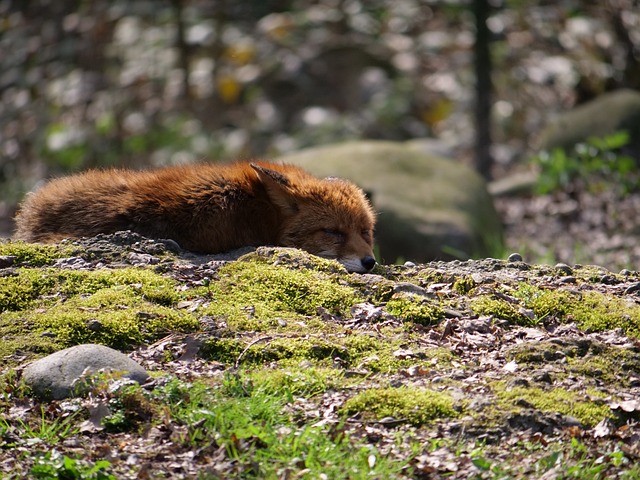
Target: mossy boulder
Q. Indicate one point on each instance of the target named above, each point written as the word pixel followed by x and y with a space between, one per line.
pixel 607 114
pixel 429 207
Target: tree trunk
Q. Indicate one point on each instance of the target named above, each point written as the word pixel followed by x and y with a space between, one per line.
pixel 483 66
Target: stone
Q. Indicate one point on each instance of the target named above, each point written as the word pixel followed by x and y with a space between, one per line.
pixel 515 257
pixel 7 261
pixel 604 115
pixel 56 375
pixel 429 207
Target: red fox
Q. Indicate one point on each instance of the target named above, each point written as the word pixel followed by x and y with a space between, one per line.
pixel 209 209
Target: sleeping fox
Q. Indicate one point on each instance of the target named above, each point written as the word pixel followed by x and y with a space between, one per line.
pixel 209 209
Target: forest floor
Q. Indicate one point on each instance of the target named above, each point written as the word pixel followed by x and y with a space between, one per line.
pixel 584 228
pixel 478 369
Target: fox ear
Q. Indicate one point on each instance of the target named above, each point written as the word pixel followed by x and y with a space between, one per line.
pixel 278 188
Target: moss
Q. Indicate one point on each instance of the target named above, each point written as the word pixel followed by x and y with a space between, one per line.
pixel 464 285
pixel 559 348
pixel 31 288
pixel 546 302
pixel 293 258
pixel 353 351
pixel 51 308
pixel 598 312
pixel 377 356
pixel 422 311
pixel 413 405
pixel 430 275
pixel 287 350
pixel 490 305
pixel 34 254
pixel 271 291
pixel 553 400
pixel 590 310
pixel 604 368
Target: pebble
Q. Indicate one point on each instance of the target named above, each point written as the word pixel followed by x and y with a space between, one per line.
pixel 7 261
pixel 563 268
pixel 143 259
pixel 543 377
pixel 515 257
pixel 94 325
pixel 406 287
pixel 632 288
pixel 568 279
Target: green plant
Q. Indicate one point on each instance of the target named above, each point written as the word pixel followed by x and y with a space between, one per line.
pixel 594 163
pixel 54 465
pixel 248 416
pixel 49 431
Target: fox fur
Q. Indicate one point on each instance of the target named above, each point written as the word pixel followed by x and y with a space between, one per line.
pixel 209 209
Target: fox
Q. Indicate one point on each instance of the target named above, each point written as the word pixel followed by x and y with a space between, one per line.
pixel 209 208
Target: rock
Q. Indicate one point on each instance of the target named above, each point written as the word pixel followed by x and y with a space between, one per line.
pixel 515 257
pixel 7 261
pixel 604 115
pixel 54 376
pixel 429 207
pixel 563 268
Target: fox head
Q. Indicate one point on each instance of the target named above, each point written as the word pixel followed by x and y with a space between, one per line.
pixel 331 218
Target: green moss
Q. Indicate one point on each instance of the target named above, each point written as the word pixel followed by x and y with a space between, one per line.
pixel 413 405
pixel 423 312
pixel 430 275
pixel 288 351
pixel 499 308
pixel 360 350
pixel 546 302
pixel 37 288
pixel 604 368
pixel 271 291
pixel 224 350
pixel 598 312
pixel 34 254
pixel 464 285
pixel 590 310
pixel 51 308
pixel 553 400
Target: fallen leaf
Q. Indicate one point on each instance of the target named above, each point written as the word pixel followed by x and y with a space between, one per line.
pixel 510 367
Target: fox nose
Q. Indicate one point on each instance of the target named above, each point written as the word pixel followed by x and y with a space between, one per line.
pixel 368 262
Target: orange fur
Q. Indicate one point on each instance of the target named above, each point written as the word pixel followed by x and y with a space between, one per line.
pixel 209 209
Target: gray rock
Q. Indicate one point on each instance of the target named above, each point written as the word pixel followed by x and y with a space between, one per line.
pixel 56 376
pixel 7 261
pixel 515 257
pixel 429 207
pixel 604 115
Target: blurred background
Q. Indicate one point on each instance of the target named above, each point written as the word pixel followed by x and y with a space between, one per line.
pixel 141 83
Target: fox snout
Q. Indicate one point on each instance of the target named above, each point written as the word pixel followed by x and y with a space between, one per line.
pixel 358 265
pixel 367 262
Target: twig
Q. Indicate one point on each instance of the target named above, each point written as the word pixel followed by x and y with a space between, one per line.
pixel 239 359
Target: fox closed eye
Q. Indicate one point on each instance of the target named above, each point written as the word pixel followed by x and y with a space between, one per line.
pixel 337 235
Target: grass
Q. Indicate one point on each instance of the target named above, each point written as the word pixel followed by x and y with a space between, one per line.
pixel 247 416
pixel 571 459
pixel 54 465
